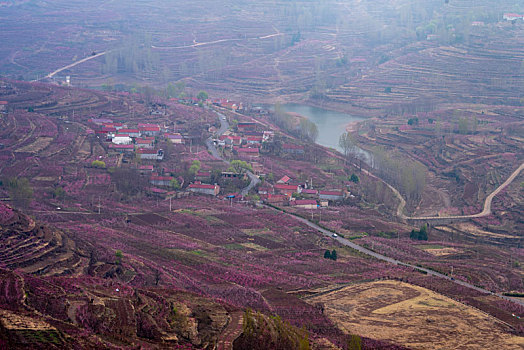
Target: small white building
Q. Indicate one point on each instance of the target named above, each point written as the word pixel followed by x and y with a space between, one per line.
pixel 512 16
pixel 121 139
pixel 211 190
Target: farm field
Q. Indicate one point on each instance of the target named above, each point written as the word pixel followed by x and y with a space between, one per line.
pixel 161 196
pixel 414 317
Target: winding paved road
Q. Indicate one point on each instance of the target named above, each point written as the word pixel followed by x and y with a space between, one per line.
pixel 485 212
pixel 378 256
pixel 224 125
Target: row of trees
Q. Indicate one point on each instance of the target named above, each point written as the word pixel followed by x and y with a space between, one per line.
pixel 405 174
pixel 20 191
pixel 304 129
pixel 408 176
pixel 330 255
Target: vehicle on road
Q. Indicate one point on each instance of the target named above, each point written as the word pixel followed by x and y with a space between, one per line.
pixel 334 235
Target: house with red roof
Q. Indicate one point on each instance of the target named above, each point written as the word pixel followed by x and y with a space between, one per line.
pixel 144 169
pixel 246 126
pixel 304 203
pixel 117 126
pixel 233 140
pixel 307 192
pixel 211 190
pixel 254 139
pixel 287 189
pixel 130 132
pixel 277 199
pixel 149 130
pixel 284 180
pixel 512 16
pixel 145 143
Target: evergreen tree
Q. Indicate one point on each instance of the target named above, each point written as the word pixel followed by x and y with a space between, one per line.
pixel 334 255
pixel 327 254
pixel 355 342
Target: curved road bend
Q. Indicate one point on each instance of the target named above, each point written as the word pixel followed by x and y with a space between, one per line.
pixel 50 75
pixel 254 180
pixel 485 212
pixel 224 125
pixel 487 203
pixel 378 256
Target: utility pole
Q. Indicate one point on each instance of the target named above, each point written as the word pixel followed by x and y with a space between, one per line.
pixel 98 205
pixel 170 204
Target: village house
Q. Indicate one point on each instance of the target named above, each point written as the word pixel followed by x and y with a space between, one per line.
pixel 161 180
pixel 309 192
pixel 106 132
pixel 304 203
pixel 211 190
pixel 258 169
pixel 100 121
pixel 246 126
pixel 159 192
pixel 292 149
pixel 512 16
pixel 145 143
pixel 265 189
pixel 3 105
pixel 151 154
pixel 175 138
pixel 335 195
pixel 268 136
pixel 149 129
pixel 233 140
pixel 287 189
pixel 121 148
pixel 203 175
pixel 121 139
pixel 130 132
pixel 219 142
pixel 254 140
pixel 284 180
pixel 145 169
pixel 116 126
pixel 277 199
pixel 232 175
pixel 247 152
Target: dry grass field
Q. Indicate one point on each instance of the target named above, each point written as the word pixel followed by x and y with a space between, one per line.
pixel 414 317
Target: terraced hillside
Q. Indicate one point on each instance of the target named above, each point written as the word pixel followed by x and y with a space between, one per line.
pixel 33 248
pixel 345 52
